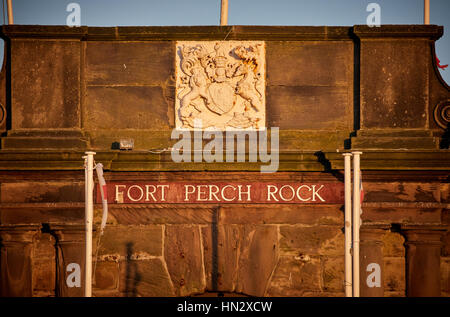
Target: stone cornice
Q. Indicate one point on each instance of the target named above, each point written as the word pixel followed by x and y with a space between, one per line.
pixel 433 32
pixel 152 33
pixel 436 160
pixel 233 32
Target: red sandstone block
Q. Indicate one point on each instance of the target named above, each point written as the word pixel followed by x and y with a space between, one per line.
pixel 394 274
pixel 129 240
pixel 147 278
pixel 445 275
pixel 183 255
pixel 295 276
pixel 314 240
pixel 393 245
pixel 106 276
pixel 258 257
pixel 282 214
pixel 40 192
pixel 333 274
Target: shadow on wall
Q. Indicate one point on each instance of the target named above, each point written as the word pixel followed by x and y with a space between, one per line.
pixel 133 277
pixel 445 139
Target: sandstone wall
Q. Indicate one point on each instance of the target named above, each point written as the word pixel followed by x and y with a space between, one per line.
pixel 64 91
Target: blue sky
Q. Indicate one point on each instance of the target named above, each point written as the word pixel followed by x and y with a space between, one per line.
pixel 241 12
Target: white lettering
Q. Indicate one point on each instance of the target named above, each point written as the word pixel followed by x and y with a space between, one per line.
pixel 223 193
pixel 163 191
pixel 140 190
pixel 316 193
pixel 298 192
pixel 200 192
pixel 292 190
pixel 213 193
pixel 150 193
pixel 271 193
pixel 119 195
pixel 245 193
pixel 187 192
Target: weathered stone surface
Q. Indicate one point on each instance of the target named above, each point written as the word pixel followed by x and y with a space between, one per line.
pixel 394 274
pixel 316 240
pixel 134 215
pixel 333 273
pixel 423 251
pixel 129 63
pixel 106 275
pixel 285 104
pixel 36 214
pixel 311 140
pixel 282 214
pixel 123 107
pixel 445 275
pixel 16 255
pixel 184 257
pixel 33 192
pixel 446 244
pixel 44 266
pixel 387 100
pixel 323 294
pixel 107 293
pixel 50 71
pixel 148 278
pixel 104 138
pixel 257 259
pixel 445 192
pixel 221 246
pixel 393 245
pixel 377 142
pixel 400 214
pixel 290 63
pixel 401 192
pixel 446 216
pixel 295 276
pixel 394 294
pixel 129 240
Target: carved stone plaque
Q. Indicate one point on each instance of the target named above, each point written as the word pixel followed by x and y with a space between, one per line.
pixel 220 85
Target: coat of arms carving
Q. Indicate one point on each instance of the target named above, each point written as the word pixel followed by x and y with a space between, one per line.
pixel 220 85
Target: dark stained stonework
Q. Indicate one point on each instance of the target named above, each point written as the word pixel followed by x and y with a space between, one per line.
pixel 329 89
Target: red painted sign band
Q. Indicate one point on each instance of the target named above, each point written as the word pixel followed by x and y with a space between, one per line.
pixel 222 192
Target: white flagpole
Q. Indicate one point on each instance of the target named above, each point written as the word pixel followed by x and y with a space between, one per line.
pixel 348 223
pixel 10 12
pixel 426 12
pixel 89 217
pixel 224 13
pixel 356 221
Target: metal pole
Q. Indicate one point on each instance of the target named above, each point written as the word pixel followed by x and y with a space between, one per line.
pixel 356 221
pixel 224 13
pixel 426 12
pixel 10 12
pixel 348 223
pixel 89 215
